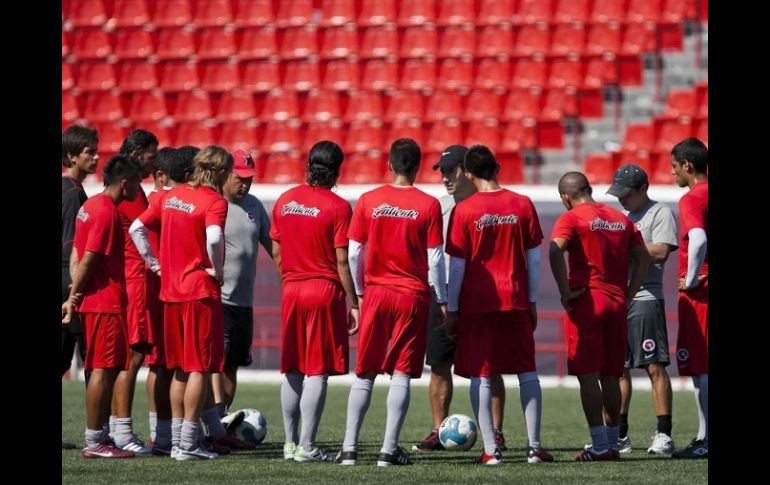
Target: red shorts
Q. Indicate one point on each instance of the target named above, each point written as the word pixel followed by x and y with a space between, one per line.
pixel 402 319
pixel 314 328
pixel 692 344
pixel 139 331
pixel 195 335
pixel 106 341
pixel 495 343
pixel 596 331
pixel 156 356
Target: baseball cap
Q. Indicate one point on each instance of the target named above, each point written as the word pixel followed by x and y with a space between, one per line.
pixel 451 157
pixel 627 177
pixel 244 165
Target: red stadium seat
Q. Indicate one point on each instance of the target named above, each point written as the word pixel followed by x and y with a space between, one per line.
pixel 91 44
pixel 321 105
pixel 662 173
pixel 603 39
pixel 281 136
pixel 485 132
pixel 565 73
pixel 638 38
pixel 258 43
pixel 403 105
pixel 529 73
pixel 175 44
pixel 260 76
pixel 494 12
pixel 455 74
pixel 284 168
pixel 376 12
pixel 97 76
pixel 443 105
pixel 337 12
pixel 194 133
pixel 405 128
pixel 212 13
pixel 220 76
pixel 293 13
pixel 457 41
pixel 599 169
pixel 65 44
pixel 87 13
pixel 494 41
pixel 69 108
pixel 702 99
pixel 630 70
pixel 301 75
pixel 341 75
pixel 361 136
pixel 701 130
pixel 668 132
pixel 297 42
pixel 519 135
pixel 418 74
pixel 534 11
pixel 568 39
pixel 216 43
pixel 380 41
pixel 641 158
pixel 638 136
pixel 239 135
pixel 600 72
pixel 193 106
pixel 236 105
pixel 67 76
pixel 557 103
pixel 455 12
pixel 133 44
pixel 511 168
pixel 103 106
pixel 252 13
pixel 521 103
pixel 443 134
pixel 321 130
pixel 674 11
pixel 605 11
pixel 363 168
pixel 640 11
pixel 147 106
pixel 532 40
pixel 493 74
pixel 172 13
pixel 179 76
pixel 417 12
pixel 111 136
pixel 280 105
pixel 571 11
pixel 482 104
pixel 380 74
pixel 681 103
pixel 339 42
pixel 130 13
pixel 363 106
pixel 419 42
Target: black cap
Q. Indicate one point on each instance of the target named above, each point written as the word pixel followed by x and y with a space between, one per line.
pixel 627 177
pixel 451 157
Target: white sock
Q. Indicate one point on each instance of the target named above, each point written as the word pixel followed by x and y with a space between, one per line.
pixel 112 426
pixel 481 400
pixel 398 405
pixel 189 437
pixel 531 396
pixel 701 383
pixel 291 391
pixel 94 437
pixel 153 425
pixel 312 406
pixel 358 403
pixel 176 431
pixel 123 431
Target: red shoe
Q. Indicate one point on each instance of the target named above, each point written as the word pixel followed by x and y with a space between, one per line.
pixel 106 451
pixel 234 443
pixel 538 456
pixel 590 455
pixel 495 458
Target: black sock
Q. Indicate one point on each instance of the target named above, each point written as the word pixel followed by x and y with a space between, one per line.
pixel 623 426
pixel 222 409
pixel 664 424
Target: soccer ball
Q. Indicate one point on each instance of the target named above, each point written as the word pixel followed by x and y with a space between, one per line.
pixel 457 432
pixel 247 425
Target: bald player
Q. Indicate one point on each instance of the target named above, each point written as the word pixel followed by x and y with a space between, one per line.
pixel 596 293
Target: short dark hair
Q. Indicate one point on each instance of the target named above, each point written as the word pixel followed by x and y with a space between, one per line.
pixel 694 151
pixel 323 164
pixel 74 139
pixel 164 160
pixel 574 184
pixel 188 153
pixel 405 156
pixel 481 162
pixel 121 167
pixel 138 140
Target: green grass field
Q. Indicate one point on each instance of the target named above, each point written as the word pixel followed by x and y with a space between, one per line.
pixel 564 432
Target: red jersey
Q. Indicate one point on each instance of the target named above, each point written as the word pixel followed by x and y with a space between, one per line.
pixel 129 211
pixel 153 230
pixel 693 212
pixel 98 229
pixel 398 225
pixel 492 232
pixel 314 221
pixel 600 239
pixel 184 214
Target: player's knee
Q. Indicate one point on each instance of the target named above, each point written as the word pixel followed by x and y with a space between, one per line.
pixel 526 377
pixel 656 371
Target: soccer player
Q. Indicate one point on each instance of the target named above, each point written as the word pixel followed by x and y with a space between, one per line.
pixel 247 227
pixel 689 162
pixel 441 349
pixel 78 145
pixel 143 146
pixel 98 292
pixel 398 228
pixel 493 242
pixel 600 241
pixel 310 246
pixel 191 266
pixel 647 335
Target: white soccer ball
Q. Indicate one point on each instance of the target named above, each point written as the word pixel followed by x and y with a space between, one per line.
pixel 247 425
pixel 457 432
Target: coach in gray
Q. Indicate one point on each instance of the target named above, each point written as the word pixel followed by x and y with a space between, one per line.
pixel 647 334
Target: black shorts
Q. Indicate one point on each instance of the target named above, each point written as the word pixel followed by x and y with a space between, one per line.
pixel 440 348
pixel 239 330
pixel 647 334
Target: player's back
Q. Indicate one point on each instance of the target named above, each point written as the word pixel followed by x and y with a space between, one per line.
pixel 130 210
pixel 693 213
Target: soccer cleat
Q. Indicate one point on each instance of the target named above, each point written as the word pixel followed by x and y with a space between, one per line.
pixel 289 449
pixel 495 458
pixel 67 446
pixel 136 445
pixel 430 443
pixel 696 449
pixel 212 446
pixel 538 456
pixel 662 444
pixel 590 455
pixel 233 423
pixel 398 457
pixel 500 440
pixel 314 455
pixel 162 450
pixel 234 443
pixel 105 450
pixel 195 454
pixel 346 458
pixel 624 444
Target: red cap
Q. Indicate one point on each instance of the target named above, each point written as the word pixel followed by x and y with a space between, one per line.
pixel 244 166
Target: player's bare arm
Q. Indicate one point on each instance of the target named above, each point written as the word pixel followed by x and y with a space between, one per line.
pixel 346 278
pixel 559 270
pixel 659 252
pixel 275 250
pixel 638 270
pixel 79 281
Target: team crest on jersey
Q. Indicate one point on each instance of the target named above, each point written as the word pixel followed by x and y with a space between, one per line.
pixel 495 220
pixel 599 224
pixel 682 354
pixel 298 209
pixel 178 204
pixel 82 215
pixel 387 210
pixel 648 345
pixel 250 216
